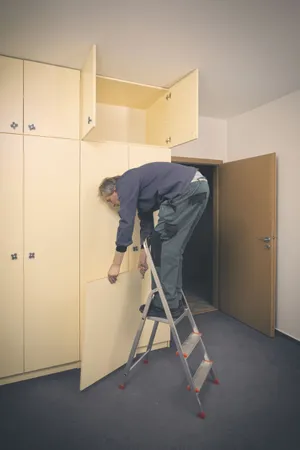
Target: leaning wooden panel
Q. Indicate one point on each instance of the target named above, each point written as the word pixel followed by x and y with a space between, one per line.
pixel 111 321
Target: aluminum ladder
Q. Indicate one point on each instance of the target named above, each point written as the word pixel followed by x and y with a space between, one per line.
pixel 184 350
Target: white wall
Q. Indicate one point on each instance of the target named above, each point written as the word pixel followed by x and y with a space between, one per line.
pixel 275 127
pixel 211 143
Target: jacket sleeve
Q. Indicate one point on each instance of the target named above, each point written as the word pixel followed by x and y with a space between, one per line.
pixel 128 194
pixel 147 225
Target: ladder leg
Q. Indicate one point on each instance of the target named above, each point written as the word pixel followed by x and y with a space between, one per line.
pixel 201 414
pixel 182 358
pixel 136 341
pixel 134 347
pixel 190 315
pixel 151 340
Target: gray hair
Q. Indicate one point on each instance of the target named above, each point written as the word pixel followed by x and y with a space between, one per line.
pixel 108 186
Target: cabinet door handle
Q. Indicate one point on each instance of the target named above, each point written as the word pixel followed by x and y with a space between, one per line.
pixel 14 256
pixel 31 126
pixel 31 255
pixel 14 125
pixel 135 249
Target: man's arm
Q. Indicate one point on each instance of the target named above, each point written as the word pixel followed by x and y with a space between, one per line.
pixel 129 191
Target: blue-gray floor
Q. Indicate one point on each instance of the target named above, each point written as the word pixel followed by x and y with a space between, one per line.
pixel 256 406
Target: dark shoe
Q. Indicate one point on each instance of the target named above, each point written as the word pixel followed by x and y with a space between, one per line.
pixel 159 312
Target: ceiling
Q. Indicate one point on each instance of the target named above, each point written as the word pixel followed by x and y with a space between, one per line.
pixel 247 51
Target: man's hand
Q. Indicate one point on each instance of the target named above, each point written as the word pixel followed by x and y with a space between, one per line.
pixel 113 273
pixel 143 266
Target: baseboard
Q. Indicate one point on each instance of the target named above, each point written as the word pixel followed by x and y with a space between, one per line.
pixel 286 336
pixel 38 373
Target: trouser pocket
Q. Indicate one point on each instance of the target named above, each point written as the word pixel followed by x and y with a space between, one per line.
pixel 198 198
pixel 170 230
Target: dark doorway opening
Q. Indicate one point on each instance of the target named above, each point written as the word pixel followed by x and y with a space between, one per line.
pixel 198 258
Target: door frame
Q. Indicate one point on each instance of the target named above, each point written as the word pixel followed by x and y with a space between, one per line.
pixel 215 163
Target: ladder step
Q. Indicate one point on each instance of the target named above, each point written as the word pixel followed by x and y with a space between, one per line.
pixel 163 320
pixel 201 374
pixel 190 343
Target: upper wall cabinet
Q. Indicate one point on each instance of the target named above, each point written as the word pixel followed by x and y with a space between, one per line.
pixel 116 110
pixel 11 95
pixel 51 100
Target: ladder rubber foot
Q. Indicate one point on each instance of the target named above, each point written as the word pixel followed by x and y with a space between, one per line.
pixel 202 415
pixel 197 390
pixel 216 381
pixel 121 386
pixel 185 355
pixel 146 361
pixel 188 387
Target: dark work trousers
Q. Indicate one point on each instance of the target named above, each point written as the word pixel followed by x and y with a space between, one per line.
pixel 177 221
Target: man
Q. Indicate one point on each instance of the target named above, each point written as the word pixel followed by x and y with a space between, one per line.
pixel 180 193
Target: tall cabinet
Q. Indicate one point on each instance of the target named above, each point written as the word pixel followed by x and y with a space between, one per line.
pixel 39 227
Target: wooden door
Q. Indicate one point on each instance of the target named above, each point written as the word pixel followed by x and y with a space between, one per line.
pixel 247 241
pixel 111 322
pixel 98 221
pixel 11 95
pixel 88 94
pixel 11 255
pixel 139 155
pixel 51 100
pixel 183 110
pixel 51 252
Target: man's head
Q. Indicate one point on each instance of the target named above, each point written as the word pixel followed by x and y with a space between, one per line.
pixel 108 191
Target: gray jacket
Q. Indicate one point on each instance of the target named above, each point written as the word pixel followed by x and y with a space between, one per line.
pixel 143 189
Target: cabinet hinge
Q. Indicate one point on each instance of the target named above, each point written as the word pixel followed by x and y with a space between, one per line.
pixel 168 96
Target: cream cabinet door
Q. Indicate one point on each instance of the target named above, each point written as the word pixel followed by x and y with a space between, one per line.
pixel 11 95
pixel 88 94
pixel 51 100
pixel 98 221
pixel 183 110
pixel 11 255
pixel 139 155
pixel 111 321
pixel 51 252
pixel 157 122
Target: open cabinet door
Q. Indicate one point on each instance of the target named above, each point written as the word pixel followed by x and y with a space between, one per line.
pixel 247 241
pixel 88 94
pixel 183 110
pixel 111 321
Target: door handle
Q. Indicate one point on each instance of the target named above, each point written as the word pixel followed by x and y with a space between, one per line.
pixel 265 239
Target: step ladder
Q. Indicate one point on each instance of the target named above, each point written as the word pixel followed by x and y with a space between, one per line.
pixel 184 350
